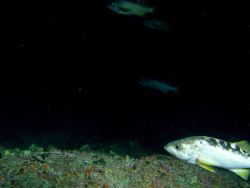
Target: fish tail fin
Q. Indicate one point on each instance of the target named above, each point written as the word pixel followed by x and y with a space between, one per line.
pixel 177 90
pixel 243 173
pixel 153 10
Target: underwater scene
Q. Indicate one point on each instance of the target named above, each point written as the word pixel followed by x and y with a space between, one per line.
pixel 144 94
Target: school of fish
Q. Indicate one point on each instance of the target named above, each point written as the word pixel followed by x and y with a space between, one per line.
pixel 138 9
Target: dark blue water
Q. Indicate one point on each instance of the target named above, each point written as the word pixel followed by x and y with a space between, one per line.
pixel 205 54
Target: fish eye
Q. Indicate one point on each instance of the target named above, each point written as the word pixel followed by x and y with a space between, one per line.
pixel 177 146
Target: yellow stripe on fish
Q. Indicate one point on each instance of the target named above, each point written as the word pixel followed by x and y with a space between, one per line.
pixel 208 152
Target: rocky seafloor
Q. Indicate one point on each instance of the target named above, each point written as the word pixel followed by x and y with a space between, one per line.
pixel 118 164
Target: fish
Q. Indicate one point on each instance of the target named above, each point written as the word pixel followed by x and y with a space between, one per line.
pixel 130 8
pixel 209 153
pixel 156 25
pixel 158 85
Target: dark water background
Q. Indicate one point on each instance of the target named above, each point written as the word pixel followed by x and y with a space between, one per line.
pixel 205 53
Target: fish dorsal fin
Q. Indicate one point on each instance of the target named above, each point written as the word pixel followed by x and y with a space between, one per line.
pixel 141 2
pixel 243 173
pixel 205 165
pixel 244 145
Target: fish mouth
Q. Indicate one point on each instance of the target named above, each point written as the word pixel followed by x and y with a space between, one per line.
pixel 167 148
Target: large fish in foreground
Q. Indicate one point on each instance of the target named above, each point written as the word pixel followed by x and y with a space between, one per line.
pixel 130 8
pixel 208 152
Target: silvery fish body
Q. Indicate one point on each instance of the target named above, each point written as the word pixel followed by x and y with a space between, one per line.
pixel 130 8
pixel 156 24
pixel 158 85
pixel 207 151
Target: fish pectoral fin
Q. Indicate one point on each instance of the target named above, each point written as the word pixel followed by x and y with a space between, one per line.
pixel 244 145
pixel 205 166
pixel 243 173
